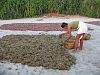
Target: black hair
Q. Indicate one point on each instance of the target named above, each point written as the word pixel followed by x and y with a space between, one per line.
pixel 64 24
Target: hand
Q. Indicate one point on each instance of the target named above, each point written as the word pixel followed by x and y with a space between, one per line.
pixel 63 42
pixel 60 36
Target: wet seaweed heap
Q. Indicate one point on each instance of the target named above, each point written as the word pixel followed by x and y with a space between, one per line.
pixel 36 50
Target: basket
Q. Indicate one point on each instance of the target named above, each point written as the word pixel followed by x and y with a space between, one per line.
pixel 86 36
pixel 69 44
pixel 71 40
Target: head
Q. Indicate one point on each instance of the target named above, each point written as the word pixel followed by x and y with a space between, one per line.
pixel 64 25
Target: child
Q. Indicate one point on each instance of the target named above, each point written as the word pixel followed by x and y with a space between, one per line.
pixel 81 30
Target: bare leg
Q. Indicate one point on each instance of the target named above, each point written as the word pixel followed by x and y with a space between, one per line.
pixel 81 43
pixel 76 42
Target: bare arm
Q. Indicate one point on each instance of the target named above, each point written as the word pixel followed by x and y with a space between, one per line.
pixel 69 32
pixel 63 34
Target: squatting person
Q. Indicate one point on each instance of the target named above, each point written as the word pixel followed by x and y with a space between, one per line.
pixel 81 30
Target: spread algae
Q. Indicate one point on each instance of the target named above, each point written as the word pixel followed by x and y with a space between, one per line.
pixel 36 50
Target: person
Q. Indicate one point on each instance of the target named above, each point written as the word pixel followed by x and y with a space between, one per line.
pixel 81 30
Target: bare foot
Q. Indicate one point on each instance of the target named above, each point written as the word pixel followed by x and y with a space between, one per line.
pixel 74 51
pixel 80 48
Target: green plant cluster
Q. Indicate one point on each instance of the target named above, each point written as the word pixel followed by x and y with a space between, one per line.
pixel 10 9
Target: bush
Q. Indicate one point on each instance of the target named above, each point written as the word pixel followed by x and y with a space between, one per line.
pixel 11 9
pixel 90 8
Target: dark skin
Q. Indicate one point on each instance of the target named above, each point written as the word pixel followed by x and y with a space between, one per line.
pixel 77 38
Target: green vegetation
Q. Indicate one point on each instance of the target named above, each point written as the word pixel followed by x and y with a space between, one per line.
pixel 10 9
pixel 74 24
pixel 36 50
pixel 90 8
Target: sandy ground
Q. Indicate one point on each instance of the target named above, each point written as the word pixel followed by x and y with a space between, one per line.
pixel 88 60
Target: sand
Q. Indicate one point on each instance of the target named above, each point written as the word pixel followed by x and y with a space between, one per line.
pixel 88 60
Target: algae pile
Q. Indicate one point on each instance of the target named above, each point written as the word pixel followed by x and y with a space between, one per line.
pixel 36 50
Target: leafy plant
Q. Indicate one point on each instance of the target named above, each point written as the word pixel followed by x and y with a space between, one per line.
pixel 10 9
